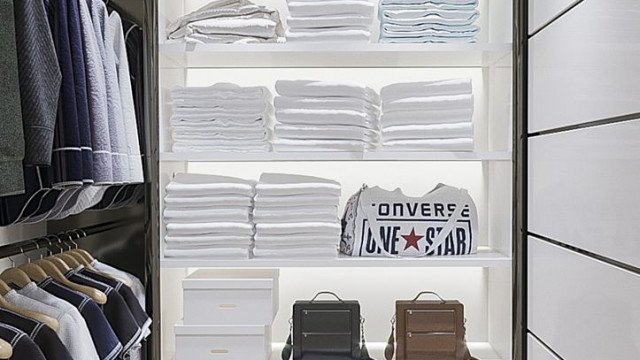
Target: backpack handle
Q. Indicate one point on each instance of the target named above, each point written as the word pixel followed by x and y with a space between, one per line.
pixel 327 293
pixel 442 301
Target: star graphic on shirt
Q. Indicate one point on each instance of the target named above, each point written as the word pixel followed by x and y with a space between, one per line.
pixel 412 239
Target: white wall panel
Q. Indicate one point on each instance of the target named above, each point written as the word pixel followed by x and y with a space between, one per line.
pixel 537 351
pixel 542 11
pixel 580 307
pixel 584 190
pixel 585 65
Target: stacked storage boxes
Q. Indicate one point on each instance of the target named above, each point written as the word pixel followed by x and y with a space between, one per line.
pixel 227 314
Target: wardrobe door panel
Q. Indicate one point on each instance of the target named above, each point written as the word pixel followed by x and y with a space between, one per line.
pixel 542 11
pixel 580 307
pixel 584 189
pixel 585 65
pixel 537 351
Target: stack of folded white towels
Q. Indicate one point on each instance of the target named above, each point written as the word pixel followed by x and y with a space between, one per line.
pixel 428 21
pixel 228 22
pixel 222 117
pixel 428 116
pixel 330 20
pixel 325 116
pixel 208 216
pixel 296 216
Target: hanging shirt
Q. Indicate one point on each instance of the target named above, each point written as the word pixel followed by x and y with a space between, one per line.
pixel 104 338
pixel 23 347
pixel 82 346
pixel 136 284
pixel 142 319
pixel 68 332
pixel 41 334
pixel 116 311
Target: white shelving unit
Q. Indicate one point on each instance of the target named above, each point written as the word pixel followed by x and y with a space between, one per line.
pixel 482 281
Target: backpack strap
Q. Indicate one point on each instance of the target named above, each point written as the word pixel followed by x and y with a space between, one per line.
pixel 442 235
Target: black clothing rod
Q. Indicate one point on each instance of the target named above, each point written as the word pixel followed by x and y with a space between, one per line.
pixel 43 242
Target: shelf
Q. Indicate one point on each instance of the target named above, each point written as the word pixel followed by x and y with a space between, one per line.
pixel 285 55
pixel 482 351
pixel 334 156
pixel 485 258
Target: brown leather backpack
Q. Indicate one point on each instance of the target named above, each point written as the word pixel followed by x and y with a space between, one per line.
pixel 428 330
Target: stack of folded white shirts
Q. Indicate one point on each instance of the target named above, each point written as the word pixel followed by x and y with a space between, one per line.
pixel 208 216
pixel 428 116
pixel 330 20
pixel 296 216
pixel 222 117
pixel 428 21
pixel 228 22
pixel 325 116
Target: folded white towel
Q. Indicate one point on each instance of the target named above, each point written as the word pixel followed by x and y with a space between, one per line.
pixel 196 246
pixel 327 103
pixel 314 88
pixel 323 116
pixel 420 29
pixel 449 102
pixel 200 240
pixel 173 202
pixel 232 214
pixel 240 147
pixel 286 145
pixel 257 27
pixel 219 228
pixel 325 228
pixel 431 6
pixel 303 252
pixel 208 253
pixel 237 111
pixel 468 32
pixel 425 2
pixel 428 40
pixel 222 91
pixel 262 211
pixel 331 132
pixel 272 184
pixel 207 137
pixel 435 131
pixel 462 144
pixel 200 184
pixel 262 201
pixel 417 17
pixel 302 238
pixel 206 105
pixel 331 8
pixel 218 120
pixel 413 117
pixel 312 22
pixel 427 88
pixel 299 35
pixel 274 218
pixel 220 142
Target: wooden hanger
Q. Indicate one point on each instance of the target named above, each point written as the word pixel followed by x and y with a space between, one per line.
pixel 34 271
pixel 68 259
pixel 47 320
pixel 51 270
pixel 15 276
pixel 6 350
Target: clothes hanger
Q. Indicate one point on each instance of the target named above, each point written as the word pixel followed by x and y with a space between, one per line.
pixel 61 265
pixel 76 255
pixel 64 255
pixel 6 350
pixel 14 275
pixel 87 255
pixel 51 270
pixel 32 270
pixel 47 320
pixel 88 265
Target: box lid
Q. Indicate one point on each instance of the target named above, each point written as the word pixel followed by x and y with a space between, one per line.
pixel 226 330
pixel 250 279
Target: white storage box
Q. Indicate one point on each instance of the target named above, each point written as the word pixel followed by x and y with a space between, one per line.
pixel 206 342
pixel 231 297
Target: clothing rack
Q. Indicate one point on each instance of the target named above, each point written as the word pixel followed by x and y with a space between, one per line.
pixel 74 235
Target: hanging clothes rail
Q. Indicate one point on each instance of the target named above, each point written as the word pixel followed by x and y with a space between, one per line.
pixel 73 235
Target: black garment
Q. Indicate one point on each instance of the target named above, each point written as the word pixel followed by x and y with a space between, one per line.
pixel 102 333
pixel 115 310
pixel 142 319
pixel 23 347
pixel 41 334
pixel 134 40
